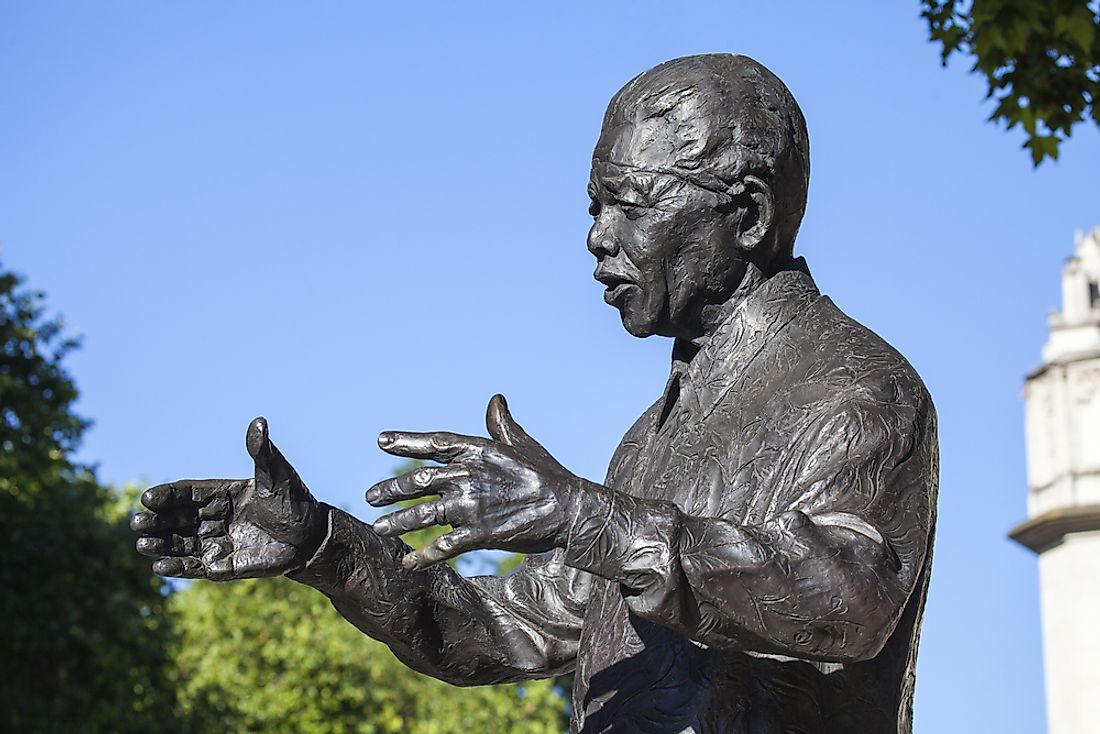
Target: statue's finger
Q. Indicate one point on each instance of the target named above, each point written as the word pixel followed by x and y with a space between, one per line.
pixel 185 493
pixel 504 428
pixel 165 522
pixel 182 568
pixel 439 446
pixel 273 471
pixel 256 437
pixel 416 483
pixel 173 545
pixel 417 517
pixel 443 548
pixel 149 546
pixel 143 522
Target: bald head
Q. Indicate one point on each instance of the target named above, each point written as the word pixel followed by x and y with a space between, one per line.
pixel 714 119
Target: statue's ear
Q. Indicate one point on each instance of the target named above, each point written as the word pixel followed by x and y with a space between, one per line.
pixel 753 206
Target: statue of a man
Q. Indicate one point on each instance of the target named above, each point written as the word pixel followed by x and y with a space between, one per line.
pixel 757 558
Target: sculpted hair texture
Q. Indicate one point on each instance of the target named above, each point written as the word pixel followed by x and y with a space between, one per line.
pixel 716 118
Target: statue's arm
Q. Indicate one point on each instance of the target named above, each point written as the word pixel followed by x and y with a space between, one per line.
pixel 825 577
pixel 465 631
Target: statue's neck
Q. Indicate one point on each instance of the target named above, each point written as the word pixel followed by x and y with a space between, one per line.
pixel 713 315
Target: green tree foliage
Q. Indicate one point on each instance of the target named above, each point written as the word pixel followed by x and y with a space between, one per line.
pixel 83 628
pixel 273 656
pixel 1040 58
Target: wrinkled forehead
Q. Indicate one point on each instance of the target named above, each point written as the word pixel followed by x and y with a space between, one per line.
pixel 667 128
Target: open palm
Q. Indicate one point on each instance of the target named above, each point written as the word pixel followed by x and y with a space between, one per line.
pixel 223 529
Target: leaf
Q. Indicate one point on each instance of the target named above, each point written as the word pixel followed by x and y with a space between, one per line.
pixel 1042 147
pixel 1040 60
pixel 1081 29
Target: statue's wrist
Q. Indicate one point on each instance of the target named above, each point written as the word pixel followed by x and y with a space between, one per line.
pixel 316 522
pixel 583 498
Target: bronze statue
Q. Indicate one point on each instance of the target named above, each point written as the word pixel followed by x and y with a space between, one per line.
pixel 757 558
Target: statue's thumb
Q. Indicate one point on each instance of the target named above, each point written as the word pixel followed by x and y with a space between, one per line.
pixel 272 469
pixel 502 427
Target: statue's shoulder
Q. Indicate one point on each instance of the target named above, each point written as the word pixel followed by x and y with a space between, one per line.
pixel 848 357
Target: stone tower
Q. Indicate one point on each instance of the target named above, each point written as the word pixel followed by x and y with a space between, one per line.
pixel 1063 457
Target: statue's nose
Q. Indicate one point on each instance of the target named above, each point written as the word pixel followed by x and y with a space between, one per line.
pixel 600 243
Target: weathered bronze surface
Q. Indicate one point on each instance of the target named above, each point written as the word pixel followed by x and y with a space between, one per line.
pixel 756 559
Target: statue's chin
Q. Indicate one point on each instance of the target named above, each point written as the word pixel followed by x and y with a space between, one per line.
pixel 636 326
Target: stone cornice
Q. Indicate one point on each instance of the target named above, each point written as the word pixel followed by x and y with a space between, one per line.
pixel 1062 361
pixel 1049 529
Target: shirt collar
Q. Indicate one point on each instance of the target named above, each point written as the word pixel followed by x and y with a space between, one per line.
pixel 749 325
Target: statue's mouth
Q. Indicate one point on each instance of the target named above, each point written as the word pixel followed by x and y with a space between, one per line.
pixel 614 295
pixel 617 283
pixel 612 278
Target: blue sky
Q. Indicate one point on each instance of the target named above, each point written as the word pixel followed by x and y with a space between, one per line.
pixel 350 218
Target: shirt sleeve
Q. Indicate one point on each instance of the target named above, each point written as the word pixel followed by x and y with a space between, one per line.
pixel 825 577
pixel 488 629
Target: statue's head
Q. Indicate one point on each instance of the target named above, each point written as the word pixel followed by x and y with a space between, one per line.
pixel 701 170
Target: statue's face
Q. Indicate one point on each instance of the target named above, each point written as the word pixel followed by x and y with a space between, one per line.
pixel 664 249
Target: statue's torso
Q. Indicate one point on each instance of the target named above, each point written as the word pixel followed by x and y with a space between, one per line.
pixel 724 450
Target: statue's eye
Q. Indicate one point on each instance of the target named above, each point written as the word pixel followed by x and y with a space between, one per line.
pixel 632 210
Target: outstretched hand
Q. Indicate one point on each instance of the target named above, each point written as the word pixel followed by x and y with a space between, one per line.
pixel 224 529
pixel 507 493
